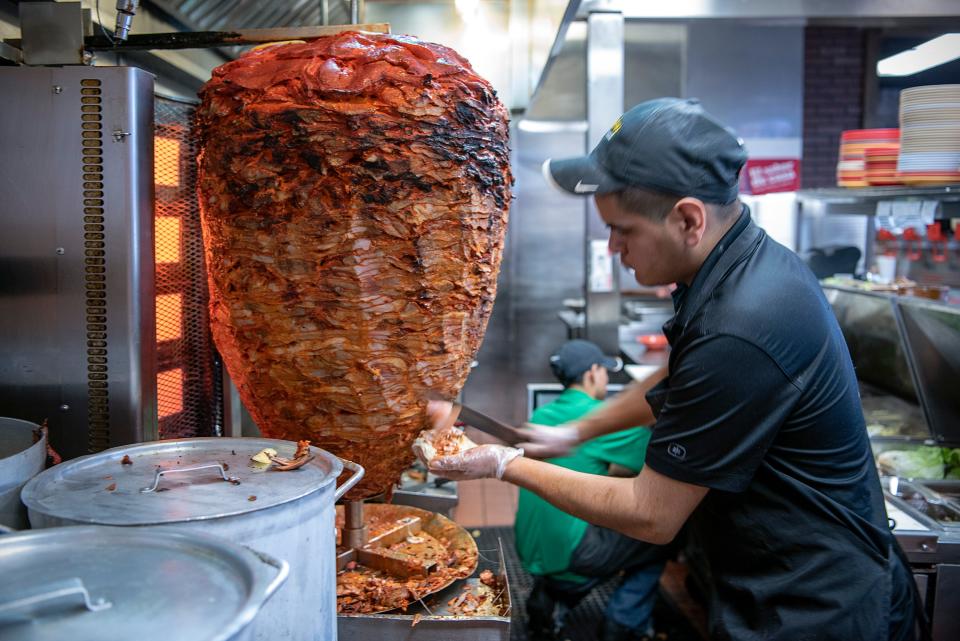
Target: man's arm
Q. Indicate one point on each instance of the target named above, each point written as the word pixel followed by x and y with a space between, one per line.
pixel 626 409
pixel 650 507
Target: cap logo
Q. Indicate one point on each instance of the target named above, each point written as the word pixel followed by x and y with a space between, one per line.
pixel 615 128
pixel 581 188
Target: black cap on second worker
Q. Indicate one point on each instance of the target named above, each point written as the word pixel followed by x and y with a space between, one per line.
pixel 668 144
pixel 577 356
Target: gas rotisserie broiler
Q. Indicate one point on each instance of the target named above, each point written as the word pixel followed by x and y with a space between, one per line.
pixel 414 176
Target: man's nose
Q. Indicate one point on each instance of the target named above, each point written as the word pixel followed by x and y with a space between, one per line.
pixel 614 244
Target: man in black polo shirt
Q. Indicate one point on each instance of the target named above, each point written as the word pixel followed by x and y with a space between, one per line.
pixel 759 439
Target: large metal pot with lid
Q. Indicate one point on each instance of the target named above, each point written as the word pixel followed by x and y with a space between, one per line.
pixel 23 453
pixel 212 485
pixel 115 584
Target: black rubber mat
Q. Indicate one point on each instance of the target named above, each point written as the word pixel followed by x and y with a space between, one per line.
pixel 585 620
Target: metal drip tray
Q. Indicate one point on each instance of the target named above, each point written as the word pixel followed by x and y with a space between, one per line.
pixel 947 489
pixel 440 616
pixel 924 500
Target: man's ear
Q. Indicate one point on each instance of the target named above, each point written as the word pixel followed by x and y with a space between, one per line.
pixel 690 216
pixel 590 377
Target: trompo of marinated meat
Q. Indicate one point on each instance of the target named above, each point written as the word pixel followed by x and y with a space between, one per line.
pixel 354 194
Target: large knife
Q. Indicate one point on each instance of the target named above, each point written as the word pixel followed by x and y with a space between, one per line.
pixel 482 422
pixel 506 433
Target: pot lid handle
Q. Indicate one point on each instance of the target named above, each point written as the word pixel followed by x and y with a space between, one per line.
pixel 281 568
pixel 49 597
pixel 162 472
pixel 358 473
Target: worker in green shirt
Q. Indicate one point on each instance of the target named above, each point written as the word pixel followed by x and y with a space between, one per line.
pixel 566 555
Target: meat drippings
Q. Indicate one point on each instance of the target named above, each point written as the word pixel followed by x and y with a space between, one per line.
pixel 365 590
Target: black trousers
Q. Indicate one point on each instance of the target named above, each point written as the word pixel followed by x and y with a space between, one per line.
pixel 601 553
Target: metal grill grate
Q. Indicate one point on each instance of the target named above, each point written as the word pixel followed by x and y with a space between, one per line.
pixel 94 278
pixel 189 396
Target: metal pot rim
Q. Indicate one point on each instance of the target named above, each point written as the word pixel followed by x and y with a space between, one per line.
pixel 75 489
pixel 261 574
pixel 40 444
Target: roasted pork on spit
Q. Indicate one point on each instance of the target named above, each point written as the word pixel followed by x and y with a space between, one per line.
pixel 354 194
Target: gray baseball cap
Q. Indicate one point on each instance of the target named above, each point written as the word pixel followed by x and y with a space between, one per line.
pixel 668 144
pixel 577 356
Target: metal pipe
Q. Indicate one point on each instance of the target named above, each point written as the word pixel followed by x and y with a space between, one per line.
pixel 354 529
pixel 356 11
pixel 126 9
pixel 605 60
pixel 324 12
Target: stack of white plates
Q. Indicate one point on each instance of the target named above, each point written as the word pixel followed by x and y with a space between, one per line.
pixel 930 135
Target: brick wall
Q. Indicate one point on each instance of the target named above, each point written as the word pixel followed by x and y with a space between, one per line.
pixel 832 98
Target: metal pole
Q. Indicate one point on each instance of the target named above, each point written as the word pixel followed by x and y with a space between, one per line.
pixel 604 105
pixel 354 11
pixel 354 534
pixel 324 12
pixel 232 416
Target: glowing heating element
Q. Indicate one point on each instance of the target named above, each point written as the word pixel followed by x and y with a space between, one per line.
pixel 188 381
pixel 169 392
pixel 166 156
pixel 167 241
pixel 169 317
pixel 167 230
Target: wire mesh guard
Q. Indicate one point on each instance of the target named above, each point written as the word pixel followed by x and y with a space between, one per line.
pixel 189 396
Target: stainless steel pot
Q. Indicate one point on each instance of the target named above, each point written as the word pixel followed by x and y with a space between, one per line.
pixel 103 584
pixel 211 485
pixel 22 456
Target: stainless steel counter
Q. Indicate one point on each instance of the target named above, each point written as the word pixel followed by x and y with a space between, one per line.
pixel 933 550
pixel 634 352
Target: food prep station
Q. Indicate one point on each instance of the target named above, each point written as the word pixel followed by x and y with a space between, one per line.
pixel 905 351
pixel 94 283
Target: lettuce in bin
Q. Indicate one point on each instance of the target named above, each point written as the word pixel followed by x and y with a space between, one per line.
pixel 921 463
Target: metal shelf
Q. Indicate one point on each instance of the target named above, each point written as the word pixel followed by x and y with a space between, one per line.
pixel 863 200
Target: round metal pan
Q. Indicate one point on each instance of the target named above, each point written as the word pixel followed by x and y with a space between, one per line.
pixel 437 526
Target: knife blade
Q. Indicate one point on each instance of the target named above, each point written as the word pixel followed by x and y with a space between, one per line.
pixel 489 425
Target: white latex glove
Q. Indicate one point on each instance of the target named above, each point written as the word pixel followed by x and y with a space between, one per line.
pixel 544 441
pixel 480 462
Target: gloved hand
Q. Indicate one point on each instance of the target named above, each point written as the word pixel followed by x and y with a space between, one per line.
pixel 438 414
pixel 480 462
pixel 543 441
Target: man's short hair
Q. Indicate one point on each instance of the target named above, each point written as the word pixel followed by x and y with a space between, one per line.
pixel 655 205
pixel 567 382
